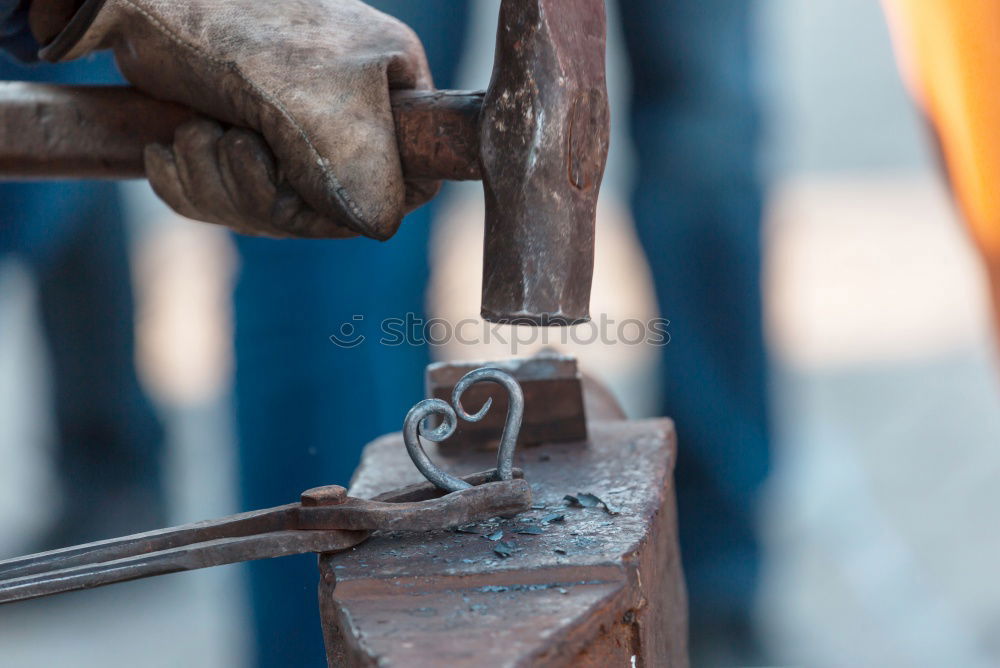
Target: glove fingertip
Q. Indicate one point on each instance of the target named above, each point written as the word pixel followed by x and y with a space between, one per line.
pixel 248 171
pixel 373 206
pixel 161 170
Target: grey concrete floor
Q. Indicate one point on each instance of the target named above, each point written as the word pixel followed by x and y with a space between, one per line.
pixel 881 523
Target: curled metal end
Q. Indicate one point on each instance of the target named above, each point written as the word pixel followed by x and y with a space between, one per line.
pixel 413 429
pixel 473 417
pixel 515 412
pixel 413 426
pixel 423 411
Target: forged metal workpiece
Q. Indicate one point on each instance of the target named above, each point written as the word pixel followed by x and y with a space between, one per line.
pixel 415 420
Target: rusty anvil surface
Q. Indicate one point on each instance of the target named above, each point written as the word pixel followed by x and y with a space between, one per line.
pixel 446 598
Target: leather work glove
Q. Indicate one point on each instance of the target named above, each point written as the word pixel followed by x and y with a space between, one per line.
pixel 302 141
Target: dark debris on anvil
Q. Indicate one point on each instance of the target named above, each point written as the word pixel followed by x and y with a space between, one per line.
pixel 499 531
pixel 503 549
pixel 582 500
pixel 588 500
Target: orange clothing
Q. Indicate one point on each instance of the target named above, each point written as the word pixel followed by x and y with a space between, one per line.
pixel 949 52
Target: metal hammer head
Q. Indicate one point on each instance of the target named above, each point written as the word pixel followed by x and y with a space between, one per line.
pixel 543 144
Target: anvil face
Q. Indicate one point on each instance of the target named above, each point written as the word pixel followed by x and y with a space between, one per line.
pixel 566 584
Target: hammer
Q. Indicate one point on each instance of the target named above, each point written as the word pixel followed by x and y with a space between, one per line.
pixel 537 138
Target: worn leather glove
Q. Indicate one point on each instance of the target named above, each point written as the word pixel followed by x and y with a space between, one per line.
pixel 302 141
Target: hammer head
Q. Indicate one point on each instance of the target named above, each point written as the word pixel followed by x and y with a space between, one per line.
pixel 544 135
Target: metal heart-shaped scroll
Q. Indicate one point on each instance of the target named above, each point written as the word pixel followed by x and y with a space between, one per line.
pixel 413 427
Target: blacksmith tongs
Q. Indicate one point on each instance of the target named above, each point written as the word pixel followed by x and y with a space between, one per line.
pixel 326 519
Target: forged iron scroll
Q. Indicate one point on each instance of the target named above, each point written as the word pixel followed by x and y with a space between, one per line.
pixel 413 427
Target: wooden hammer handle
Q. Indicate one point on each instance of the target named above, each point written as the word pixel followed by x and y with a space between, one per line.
pixel 98 132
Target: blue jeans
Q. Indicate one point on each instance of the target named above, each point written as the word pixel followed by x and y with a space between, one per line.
pixel 697 209
pixel 306 407
pixel 72 237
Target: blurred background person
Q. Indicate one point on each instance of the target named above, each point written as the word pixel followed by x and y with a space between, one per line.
pixel 950 57
pixel 697 206
pixel 72 238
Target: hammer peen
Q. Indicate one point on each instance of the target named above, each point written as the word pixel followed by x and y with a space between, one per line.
pixel 537 138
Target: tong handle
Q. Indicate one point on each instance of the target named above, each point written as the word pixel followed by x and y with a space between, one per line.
pixel 189 557
pixel 480 502
pixel 274 532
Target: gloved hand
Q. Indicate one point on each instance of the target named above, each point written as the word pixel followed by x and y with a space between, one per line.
pixel 312 77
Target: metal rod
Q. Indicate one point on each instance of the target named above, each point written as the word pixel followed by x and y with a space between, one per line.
pixel 98 132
